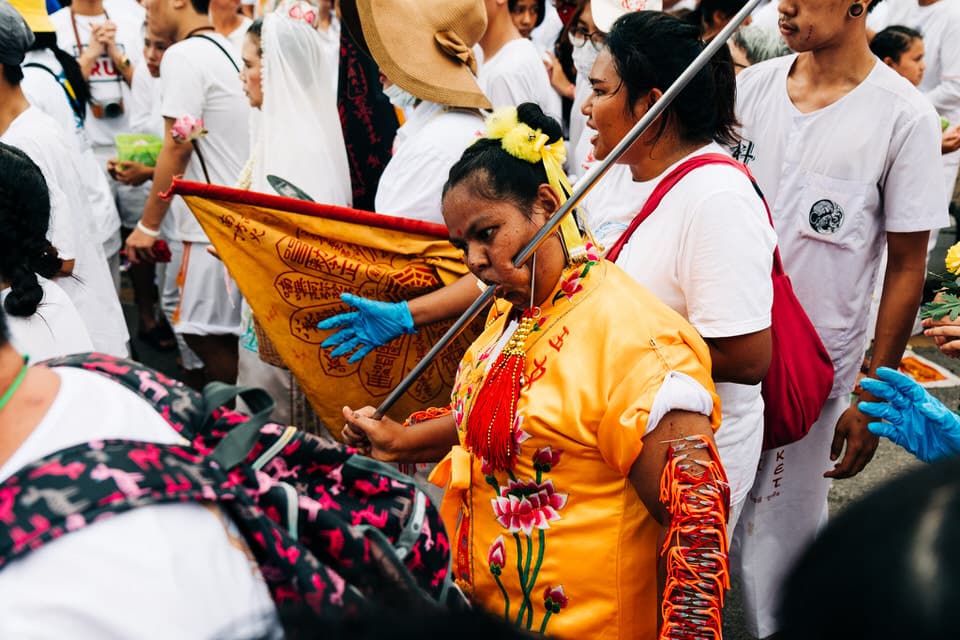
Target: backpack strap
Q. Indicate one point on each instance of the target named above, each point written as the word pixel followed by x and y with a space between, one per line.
pixel 669 181
pixel 219 46
pixel 178 404
pixel 719 158
pixel 78 109
pixel 76 486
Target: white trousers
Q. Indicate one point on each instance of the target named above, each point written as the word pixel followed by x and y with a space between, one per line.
pixel 783 512
pixel 170 297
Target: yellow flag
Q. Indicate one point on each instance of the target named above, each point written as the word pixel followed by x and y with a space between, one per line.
pixel 292 259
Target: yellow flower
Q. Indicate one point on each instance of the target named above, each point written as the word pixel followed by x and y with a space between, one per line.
pixel 953 259
pixel 500 122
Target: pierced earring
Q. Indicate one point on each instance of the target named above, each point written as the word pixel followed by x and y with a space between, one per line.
pixel 856 10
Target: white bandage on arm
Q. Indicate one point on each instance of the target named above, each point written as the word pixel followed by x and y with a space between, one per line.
pixel 679 392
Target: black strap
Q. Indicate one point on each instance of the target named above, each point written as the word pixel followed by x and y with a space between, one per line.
pixel 74 102
pixel 219 46
pixel 238 443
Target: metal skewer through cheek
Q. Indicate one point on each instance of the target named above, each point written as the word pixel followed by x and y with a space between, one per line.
pixel 584 187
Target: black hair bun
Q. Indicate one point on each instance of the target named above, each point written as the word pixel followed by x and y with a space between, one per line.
pixel 25 294
pixel 532 115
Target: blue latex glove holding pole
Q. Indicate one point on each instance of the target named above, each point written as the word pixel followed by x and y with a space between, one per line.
pixel 915 420
pixel 371 325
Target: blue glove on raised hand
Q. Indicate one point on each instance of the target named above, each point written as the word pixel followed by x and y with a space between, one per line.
pixel 372 324
pixel 915 420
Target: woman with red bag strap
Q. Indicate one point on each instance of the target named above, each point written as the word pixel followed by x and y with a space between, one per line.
pixel 707 250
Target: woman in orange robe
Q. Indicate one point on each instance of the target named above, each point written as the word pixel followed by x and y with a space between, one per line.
pixel 569 412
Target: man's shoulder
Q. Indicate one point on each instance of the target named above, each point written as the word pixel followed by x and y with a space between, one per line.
pixel 186 56
pixel 203 52
pixel 450 125
pixel 897 92
pixel 33 123
pixel 523 49
pixel 519 57
pixel 948 10
pixel 38 135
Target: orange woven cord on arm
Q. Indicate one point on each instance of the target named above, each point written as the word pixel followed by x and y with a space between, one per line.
pixel 697 497
pixel 416 418
pixel 427 414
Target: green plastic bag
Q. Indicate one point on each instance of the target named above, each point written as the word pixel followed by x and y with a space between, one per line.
pixel 138 147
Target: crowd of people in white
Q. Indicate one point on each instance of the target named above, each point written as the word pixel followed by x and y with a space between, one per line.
pixel 847 113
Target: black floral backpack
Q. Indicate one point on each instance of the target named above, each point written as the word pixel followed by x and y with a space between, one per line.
pixel 332 531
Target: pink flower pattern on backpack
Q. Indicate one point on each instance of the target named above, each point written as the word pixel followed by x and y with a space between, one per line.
pixel 358 525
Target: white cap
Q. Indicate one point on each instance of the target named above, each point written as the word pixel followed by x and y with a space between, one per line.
pixel 606 12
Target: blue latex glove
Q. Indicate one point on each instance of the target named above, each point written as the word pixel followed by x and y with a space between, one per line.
pixel 372 324
pixel 915 420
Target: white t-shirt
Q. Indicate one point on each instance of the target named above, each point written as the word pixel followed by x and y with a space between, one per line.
pixel 197 79
pixel 44 92
pixel 707 253
pixel 579 149
pixel 131 9
pixel 940 25
pixel 165 571
pixel 55 330
pixel 426 147
pixel 106 81
pixel 145 100
pixel 236 38
pixel 515 74
pixel 836 185
pixel 610 205
pixel 72 230
pixel 145 118
pixel 544 37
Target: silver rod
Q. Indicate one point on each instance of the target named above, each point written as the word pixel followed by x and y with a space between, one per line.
pixel 583 187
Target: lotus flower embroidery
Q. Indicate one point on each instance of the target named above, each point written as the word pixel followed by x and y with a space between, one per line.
pixel 554 599
pixel 497 556
pixel 571 285
pixel 525 505
pixel 545 459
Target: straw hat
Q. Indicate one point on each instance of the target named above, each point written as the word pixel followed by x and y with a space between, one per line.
pixel 606 12
pixel 424 46
pixel 34 12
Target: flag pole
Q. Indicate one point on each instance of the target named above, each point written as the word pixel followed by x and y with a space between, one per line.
pixel 584 186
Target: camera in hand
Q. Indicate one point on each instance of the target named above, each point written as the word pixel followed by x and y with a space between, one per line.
pixel 106 108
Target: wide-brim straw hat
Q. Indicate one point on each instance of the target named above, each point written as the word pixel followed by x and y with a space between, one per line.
pixel 606 12
pixel 34 13
pixel 423 46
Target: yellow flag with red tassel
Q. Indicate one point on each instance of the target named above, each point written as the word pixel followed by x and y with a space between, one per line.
pixel 292 259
